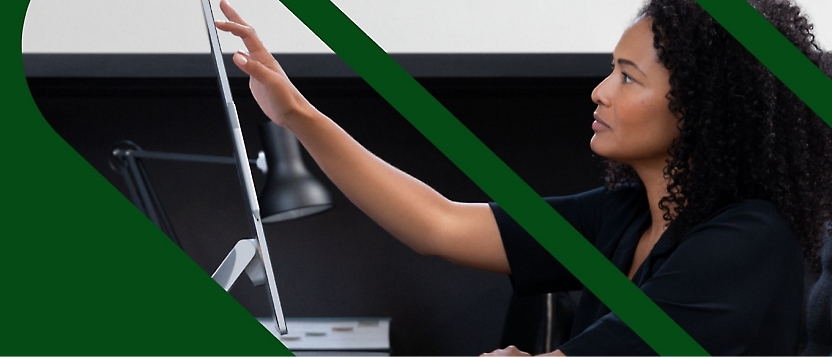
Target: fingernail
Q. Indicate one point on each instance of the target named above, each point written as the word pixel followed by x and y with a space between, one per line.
pixel 240 59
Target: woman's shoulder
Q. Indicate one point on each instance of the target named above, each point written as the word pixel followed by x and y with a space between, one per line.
pixel 759 213
pixel 618 194
pixel 621 198
pixel 753 220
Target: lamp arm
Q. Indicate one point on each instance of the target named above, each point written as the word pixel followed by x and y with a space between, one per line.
pixel 128 162
pixel 141 190
pixel 171 156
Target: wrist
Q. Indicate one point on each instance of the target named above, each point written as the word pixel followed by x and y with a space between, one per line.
pixel 301 114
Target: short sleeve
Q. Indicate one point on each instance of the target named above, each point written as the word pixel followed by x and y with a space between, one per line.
pixel 740 272
pixel 533 269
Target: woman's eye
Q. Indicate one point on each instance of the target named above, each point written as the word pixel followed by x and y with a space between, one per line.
pixel 626 78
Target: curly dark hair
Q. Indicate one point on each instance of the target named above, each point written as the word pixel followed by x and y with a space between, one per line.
pixel 744 134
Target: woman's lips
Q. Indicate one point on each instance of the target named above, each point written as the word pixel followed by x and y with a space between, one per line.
pixel 599 124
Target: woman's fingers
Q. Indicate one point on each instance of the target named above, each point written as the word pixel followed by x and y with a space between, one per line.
pixel 253 68
pixel 249 37
pixel 240 28
pixel 231 14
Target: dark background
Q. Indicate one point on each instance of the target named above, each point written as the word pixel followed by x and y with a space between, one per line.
pixel 339 263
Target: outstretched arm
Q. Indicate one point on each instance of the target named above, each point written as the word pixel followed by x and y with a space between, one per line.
pixel 423 219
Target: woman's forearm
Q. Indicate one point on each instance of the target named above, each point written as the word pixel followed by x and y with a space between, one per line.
pixel 409 209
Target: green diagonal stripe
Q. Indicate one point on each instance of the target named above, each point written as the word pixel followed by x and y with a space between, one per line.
pixel 494 177
pixel 751 29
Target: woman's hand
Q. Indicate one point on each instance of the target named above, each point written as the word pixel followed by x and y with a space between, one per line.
pixel 513 351
pixel 508 351
pixel 276 95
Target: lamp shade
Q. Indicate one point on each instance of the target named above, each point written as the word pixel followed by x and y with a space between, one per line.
pixel 290 191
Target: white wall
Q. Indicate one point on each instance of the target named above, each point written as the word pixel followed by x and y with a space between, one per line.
pixel 402 26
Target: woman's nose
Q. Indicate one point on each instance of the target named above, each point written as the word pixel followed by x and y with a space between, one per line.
pixel 599 95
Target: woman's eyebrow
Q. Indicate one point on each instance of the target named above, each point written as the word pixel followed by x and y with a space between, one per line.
pixel 623 61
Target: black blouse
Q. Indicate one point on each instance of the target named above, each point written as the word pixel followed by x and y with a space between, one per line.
pixel 734 283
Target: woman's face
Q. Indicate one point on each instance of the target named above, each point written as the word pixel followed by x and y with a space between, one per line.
pixel 633 124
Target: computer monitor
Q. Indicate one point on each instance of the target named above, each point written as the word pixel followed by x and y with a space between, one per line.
pixel 243 169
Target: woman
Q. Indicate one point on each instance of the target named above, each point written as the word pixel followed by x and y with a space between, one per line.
pixel 716 178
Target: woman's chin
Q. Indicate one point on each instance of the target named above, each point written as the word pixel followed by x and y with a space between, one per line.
pixel 606 151
pixel 598 147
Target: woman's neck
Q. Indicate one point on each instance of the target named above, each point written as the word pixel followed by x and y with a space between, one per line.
pixel 652 176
